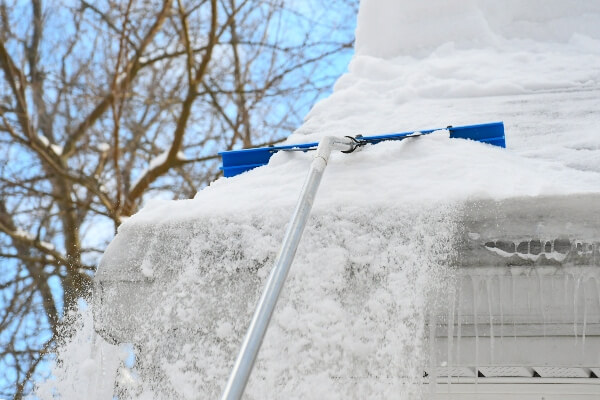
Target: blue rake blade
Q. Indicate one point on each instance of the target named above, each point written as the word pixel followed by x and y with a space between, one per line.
pixel 237 161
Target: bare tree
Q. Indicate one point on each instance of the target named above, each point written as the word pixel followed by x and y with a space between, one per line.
pixel 105 103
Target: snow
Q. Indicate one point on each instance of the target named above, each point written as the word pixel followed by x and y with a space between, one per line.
pixel 354 304
pixel 147 269
pixel 24 234
pixel 537 72
pixel 428 169
pixel 57 149
pixel 47 245
pixel 30 237
pixel 162 157
pixel 46 142
pixel 103 147
pixel 419 27
pixel 85 364
pixel 155 162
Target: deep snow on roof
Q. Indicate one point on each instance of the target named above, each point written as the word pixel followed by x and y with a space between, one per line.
pixel 463 63
pixel 455 66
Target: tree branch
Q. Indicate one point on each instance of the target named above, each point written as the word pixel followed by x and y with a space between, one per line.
pixel 171 160
pixel 133 67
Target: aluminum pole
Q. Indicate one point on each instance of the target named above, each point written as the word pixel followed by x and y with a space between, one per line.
pixel 264 309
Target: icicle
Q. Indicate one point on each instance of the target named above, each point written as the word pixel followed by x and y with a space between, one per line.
pixel 529 300
pixel 598 290
pixel 459 326
pixel 553 290
pixel 513 294
pixel 450 324
pixel 542 308
pixel 500 302
pixel 584 319
pixel 576 283
pixel 433 373
pixel 491 317
pixel 566 288
pixel 475 294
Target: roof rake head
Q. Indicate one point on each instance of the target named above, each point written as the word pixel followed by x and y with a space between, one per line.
pixel 237 161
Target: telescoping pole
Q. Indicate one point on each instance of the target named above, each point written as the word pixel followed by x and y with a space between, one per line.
pixel 264 309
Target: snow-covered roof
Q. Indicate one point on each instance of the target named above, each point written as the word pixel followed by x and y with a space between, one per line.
pixel 451 63
pixel 384 218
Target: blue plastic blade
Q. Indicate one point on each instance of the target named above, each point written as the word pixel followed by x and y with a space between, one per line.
pixel 237 161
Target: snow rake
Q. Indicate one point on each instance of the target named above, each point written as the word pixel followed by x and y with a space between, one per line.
pixel 236 162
